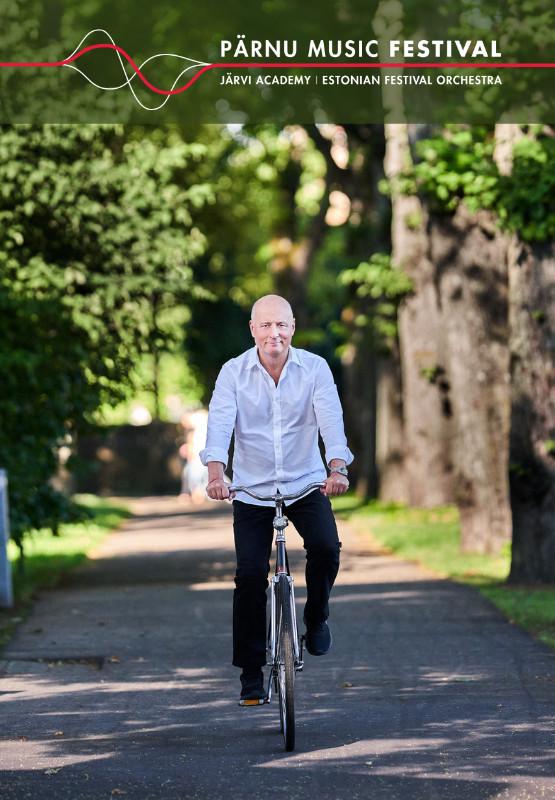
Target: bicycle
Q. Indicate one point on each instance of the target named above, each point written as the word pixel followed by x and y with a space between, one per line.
pixel 284 652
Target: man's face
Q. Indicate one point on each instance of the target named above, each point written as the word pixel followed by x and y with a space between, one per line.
pixel 272 327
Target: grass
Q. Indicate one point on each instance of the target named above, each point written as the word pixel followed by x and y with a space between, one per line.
pixel 431 538
pixel 48 557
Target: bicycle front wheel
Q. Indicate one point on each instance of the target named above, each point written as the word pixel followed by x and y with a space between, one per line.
pixel 285 658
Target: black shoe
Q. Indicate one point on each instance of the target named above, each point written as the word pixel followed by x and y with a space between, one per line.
pixel 318 638
pixel 252 685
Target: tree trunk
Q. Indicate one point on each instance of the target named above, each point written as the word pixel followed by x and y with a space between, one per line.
pixel 359 378
pixel 470 260
pixel 390 443
pixel 532 438
pixel 359 181
pixel 294 253
pixel 376 213
pixel 426 403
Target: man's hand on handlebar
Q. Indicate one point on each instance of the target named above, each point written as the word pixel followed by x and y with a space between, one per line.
pixel 218 489
pixel 335 485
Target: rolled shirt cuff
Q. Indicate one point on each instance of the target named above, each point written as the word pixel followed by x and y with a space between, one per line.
pixel 214 454
pixel 339 451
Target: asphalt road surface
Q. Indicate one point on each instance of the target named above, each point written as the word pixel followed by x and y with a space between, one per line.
pixel 120 683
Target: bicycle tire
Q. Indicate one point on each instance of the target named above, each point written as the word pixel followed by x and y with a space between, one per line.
pixel 286 664
pixel 277 670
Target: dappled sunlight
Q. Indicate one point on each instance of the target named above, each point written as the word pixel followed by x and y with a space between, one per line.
pixel 441 678
pixel 46 758
pixel 209 585
pixel 360 750
pixel 138 661
pixel 377 597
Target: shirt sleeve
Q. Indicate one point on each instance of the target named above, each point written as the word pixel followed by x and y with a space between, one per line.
pixel 222 412
pixel 329 415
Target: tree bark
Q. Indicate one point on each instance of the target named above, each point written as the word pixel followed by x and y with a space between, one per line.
pixel 390 441
pixel 426 404
pixel 532 437
pixel 367 142
pixel 359 181
pixel 359 364
pixel 291 261
pixel 469 254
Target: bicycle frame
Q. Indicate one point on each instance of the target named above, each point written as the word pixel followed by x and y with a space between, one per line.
pixel 280 522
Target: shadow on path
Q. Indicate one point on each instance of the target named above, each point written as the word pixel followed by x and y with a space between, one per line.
pixel 121 681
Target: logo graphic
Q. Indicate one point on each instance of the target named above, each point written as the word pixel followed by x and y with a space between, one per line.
pixel 70 62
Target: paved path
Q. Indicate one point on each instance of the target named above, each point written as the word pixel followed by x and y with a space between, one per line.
pixel 120 683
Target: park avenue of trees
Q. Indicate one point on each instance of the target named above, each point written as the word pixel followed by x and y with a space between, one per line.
pixel 419 261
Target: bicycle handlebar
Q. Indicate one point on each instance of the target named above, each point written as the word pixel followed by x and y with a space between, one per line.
pixel 278 496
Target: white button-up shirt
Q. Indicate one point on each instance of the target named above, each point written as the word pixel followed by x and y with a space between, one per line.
pixel 276 427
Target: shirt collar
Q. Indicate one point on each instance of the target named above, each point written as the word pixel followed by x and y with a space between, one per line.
pixel 253 360
pixel 252 357
pixel 294 356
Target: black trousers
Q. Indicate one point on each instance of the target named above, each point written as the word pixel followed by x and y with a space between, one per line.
pixel 252 527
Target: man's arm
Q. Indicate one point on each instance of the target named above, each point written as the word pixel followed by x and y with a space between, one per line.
pixel 329 416
pixel 222 413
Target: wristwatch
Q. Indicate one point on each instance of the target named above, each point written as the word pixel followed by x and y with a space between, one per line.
pixel 340 470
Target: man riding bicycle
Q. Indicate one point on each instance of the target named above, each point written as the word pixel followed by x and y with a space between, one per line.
pixel 276 398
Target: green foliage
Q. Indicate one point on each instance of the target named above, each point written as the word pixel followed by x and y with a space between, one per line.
pixel 539 315
pixel 43 386
pixel 518 470
pixel 95 262
pixel 48 557
pixel 379 288
pixel 247 170
pixel 431 374
pixel 413 221
pixel 458 166
pixel 177 386
pixel 431 537
pixel 526 201
pixel 531 608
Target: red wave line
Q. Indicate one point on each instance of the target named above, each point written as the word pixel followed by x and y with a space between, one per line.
pixel 275 65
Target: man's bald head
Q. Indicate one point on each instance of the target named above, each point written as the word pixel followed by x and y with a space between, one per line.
pixel 272 325
pixel 272 302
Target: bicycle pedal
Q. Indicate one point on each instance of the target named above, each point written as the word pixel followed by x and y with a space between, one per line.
pixel 256 702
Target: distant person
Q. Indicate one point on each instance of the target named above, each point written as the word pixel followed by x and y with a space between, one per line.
pixel 194 476
pixel 276 398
